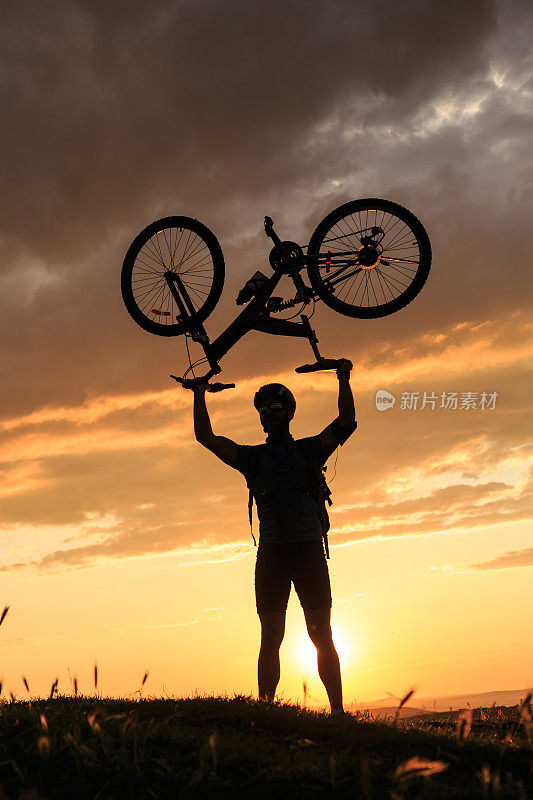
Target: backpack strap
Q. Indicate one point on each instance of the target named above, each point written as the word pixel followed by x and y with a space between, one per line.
pixel 256 451
pixel 318 485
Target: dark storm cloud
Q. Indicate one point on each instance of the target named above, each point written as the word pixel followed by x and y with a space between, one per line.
pixel 118 113
pixel 112 108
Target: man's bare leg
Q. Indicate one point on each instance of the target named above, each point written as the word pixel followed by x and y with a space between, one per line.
pixel 330 674
pixel 319 629
pixel 268 669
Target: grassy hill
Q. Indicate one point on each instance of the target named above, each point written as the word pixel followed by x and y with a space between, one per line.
pixel 214 747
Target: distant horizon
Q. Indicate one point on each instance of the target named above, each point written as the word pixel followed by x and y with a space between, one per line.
pixel 472 699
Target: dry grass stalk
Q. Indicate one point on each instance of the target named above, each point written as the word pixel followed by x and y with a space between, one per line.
pixel 95 675
pixel 525 708
pixel 44 723
pixel 366 780
pixel 4 612
pixel 489 779
pixel 304 685
pixel 25 682
pixel 54 688
pixel 213 745
pixel 95 726
pixel 140 689
pixel 75 686
pixel 130 722
pixel 403 701
pixel 524 719
pixel 332 769
pixel 419 766
pixel 43 745
pixel 80 748
pixel 464 724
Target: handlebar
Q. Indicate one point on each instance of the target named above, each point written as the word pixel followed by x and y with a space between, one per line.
pixel 190 383
pixel 219 387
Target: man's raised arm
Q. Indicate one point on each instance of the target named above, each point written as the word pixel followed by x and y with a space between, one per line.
pixel 338 431
pixel 224 448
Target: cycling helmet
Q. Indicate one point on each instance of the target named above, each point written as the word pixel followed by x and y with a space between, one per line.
pixel 278 391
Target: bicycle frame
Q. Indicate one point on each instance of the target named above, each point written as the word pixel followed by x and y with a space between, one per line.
pixel 252 318
pixel 287 258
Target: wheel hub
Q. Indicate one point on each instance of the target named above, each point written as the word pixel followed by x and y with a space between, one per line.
pixel 368 257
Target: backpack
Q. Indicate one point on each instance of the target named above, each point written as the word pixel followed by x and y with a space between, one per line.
pixel 316 479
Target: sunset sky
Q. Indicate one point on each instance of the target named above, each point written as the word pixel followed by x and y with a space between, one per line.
pixel 123 540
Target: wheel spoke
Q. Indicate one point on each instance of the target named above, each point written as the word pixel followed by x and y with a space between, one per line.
pixel 378 273
pixel 404 260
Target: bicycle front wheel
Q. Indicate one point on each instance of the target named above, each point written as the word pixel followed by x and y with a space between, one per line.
pixel 368 258
pixel 179 245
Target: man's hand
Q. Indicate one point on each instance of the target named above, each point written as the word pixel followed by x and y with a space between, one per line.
pixel 190 383
pixel 344 368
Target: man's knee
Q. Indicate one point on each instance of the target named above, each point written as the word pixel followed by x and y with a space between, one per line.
pixel 322 639
pixel 272 628
pixel 319 628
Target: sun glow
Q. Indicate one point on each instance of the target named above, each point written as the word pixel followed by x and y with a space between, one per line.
pixel 306 651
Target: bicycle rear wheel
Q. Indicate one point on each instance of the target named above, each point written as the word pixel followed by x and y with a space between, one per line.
pixel 368 258
pixel 178 245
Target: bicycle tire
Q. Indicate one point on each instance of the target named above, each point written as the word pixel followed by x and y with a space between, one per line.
pixel 401 270
pixel 180 244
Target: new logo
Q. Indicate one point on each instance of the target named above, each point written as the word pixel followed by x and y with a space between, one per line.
pixel 384 400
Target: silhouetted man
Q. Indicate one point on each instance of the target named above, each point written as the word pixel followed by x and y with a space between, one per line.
pixel 290 523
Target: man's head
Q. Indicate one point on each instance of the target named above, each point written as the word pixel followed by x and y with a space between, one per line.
pixel 276 406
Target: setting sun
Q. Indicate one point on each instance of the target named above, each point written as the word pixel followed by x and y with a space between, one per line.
pixel 306 651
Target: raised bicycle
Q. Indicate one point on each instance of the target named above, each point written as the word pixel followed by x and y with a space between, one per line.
pixel 368 258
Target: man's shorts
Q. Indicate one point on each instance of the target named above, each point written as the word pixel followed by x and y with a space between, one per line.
pixel 302 563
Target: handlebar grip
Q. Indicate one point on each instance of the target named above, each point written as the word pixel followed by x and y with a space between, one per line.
pixel 307 368
pixel 184 381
